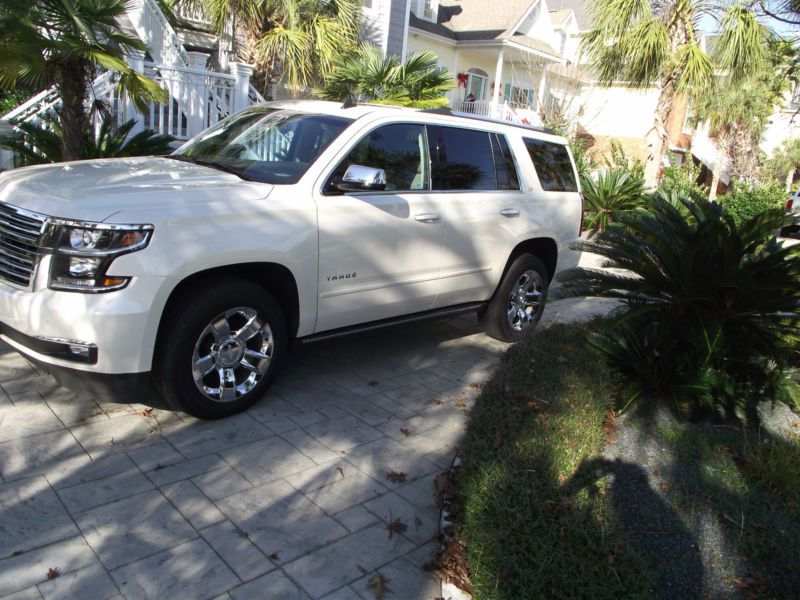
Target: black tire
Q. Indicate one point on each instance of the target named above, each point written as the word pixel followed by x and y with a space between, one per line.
pixel 495 319
pixel 190 318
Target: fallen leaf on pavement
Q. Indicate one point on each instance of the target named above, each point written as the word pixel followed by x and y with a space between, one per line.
pixel 362 569
pixel 405 431
pixel 396 477
pixel 273 556
pixel 396 526
pixel 378 583
pixel 664 487
pixel 373 383
pixel 417 521
pixel 340 471
pixel 53 572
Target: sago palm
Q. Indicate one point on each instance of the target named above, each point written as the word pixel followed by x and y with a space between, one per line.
pixel 65 42
pixel 368 76
pixel 295 41
pixel 732 110
pixel 710 307
pixel 643 44
pixel 42 143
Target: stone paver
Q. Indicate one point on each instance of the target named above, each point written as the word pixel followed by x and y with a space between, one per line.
pixel 290 500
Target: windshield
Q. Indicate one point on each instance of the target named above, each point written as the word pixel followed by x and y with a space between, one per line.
pixel 264 144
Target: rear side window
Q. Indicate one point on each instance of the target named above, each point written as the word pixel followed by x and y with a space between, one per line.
pixel 553 165
pixel 464 159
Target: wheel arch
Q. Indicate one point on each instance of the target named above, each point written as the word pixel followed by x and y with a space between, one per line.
pixel 545 248
pixel 273 277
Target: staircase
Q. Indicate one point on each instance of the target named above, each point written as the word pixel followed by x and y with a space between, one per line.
pixel 198 97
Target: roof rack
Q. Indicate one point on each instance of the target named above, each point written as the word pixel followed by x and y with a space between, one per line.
pixel 451 113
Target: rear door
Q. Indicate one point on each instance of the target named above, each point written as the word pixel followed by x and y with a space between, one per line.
pixel 476 174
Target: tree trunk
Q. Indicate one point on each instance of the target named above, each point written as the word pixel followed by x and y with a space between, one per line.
pixel 790 179
pixel 71 82
pixel 658 136
pixel 721 154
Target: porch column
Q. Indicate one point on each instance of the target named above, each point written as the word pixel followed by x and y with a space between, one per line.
pixel 457 91
pixel 498 81
pixel 135 60
pixel 241 91
pixel 542 89
pixel 195 94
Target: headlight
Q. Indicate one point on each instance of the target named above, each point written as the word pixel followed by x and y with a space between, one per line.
pixel 83 253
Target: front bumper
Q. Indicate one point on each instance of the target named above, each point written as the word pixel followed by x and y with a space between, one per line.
pixel 121 326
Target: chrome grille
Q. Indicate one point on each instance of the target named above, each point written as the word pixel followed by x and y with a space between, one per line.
pixel 20 237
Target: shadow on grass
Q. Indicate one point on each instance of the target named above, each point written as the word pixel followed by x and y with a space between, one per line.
pixel 547 510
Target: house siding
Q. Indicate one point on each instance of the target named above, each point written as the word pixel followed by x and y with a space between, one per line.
pixel 397 27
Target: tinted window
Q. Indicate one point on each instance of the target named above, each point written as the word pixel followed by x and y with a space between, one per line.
pixel 464 161
pixel 504 164
pixel 553 166
pixel 399 149
pixel 262 144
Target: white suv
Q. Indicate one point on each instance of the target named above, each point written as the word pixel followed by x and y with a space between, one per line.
pixel 299 220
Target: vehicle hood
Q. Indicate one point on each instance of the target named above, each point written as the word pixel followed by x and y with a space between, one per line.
pixel 94 190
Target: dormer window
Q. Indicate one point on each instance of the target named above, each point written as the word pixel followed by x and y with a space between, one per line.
pixel 428 10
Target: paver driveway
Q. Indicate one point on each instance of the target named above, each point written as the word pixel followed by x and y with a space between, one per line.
pixel 289 500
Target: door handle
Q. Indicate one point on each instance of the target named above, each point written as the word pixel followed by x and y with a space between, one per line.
pixel 428 217
pixel 510 212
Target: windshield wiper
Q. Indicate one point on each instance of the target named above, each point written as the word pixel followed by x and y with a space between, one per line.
pixel 210 163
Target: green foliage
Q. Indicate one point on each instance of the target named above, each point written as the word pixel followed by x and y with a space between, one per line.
pixel 584 161
pixel 11 99
pixel 785 162
pixel 711 308
pixel 613 193
pixel 536 520
pixel 620 161
pixel 368 76
pixel 296 41
pixel 40 144
pixel 747 199
pixel 681 180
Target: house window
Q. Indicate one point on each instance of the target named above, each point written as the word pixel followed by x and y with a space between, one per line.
pixel 428 10
pixel 519 97
pixel 367 4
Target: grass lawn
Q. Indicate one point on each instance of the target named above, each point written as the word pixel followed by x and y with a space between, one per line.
pixel 557 499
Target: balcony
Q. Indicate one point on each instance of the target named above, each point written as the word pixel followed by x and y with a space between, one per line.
pixel 505 111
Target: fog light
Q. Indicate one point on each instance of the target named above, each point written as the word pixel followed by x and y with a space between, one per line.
pixel 79 351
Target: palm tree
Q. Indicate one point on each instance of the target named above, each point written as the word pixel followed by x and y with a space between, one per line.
pixel 296 41
pixel 366 75
pixel 64 43
pixel 659 43
pixel 786 161
pixel 732 111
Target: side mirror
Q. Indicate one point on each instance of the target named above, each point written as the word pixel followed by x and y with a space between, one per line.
pixel 362 179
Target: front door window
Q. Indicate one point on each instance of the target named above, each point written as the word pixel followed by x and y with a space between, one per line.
pixel 476 86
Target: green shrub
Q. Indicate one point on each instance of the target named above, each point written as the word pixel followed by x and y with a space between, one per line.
pixel 620 161
pixel 682 180
pixel 746 199
pixel 711 311
pixel 11 99
pixel 39 144
pixel 615 191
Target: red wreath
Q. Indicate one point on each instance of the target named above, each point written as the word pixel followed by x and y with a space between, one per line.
pixel 462 79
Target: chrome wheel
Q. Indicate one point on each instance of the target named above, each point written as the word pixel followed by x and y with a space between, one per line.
pixel 232 354
pixel 524 300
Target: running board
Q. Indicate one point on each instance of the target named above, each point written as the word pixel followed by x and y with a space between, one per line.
pixel 438 313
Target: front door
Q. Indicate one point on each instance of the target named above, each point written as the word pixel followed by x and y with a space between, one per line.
pixel 380 252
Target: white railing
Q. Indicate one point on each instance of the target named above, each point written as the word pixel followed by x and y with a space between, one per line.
pixel 192 14
pixel 514 113
pixel 197 100
pixel 153 28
